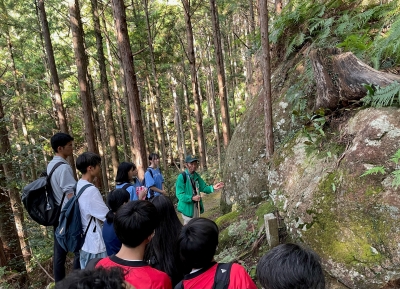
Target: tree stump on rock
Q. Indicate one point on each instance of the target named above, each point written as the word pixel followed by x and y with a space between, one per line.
pixel 340 77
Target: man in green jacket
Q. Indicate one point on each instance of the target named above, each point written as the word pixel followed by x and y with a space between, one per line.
pixel 188 185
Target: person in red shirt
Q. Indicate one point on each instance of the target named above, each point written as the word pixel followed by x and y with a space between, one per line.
pixel 197 243
pixel 134 225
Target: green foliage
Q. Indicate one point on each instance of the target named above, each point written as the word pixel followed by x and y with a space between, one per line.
pixel 374 170
pixel 379 97
pixel 380 169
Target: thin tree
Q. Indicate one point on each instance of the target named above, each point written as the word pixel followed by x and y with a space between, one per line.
pixel 195 86
pixel 160 118
pixel 131 85
pixel 266 64
pixel 81 64
pixel 105 90
pixel 226 126
pixel 51 63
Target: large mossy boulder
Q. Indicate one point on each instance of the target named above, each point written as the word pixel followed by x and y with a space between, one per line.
pixel 349 220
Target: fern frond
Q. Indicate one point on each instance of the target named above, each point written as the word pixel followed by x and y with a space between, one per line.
pixel 374 170
pixel 385 96
pixel 396 157
pixel 396 180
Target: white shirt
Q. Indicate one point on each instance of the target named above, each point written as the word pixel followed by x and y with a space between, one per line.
pixel 91 204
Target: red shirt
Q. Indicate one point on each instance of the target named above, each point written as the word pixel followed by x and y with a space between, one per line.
pixel 204 278
pixel 138 273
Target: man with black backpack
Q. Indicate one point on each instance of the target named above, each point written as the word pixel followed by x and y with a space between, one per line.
pixel 63 183
pixel 198 243
pixel 153 178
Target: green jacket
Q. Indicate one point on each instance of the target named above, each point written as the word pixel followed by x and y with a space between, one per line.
pixel 184 192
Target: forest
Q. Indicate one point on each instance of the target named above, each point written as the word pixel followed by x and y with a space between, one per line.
pixel 128 78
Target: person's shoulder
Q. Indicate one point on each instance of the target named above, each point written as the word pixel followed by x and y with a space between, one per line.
pixel 239 278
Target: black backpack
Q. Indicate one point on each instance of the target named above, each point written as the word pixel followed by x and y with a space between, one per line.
pixel 221 278
pixel 38 199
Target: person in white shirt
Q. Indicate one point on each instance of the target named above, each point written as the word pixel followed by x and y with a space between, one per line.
pixel 92 207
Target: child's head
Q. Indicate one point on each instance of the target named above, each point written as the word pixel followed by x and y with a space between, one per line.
pixel 87 159
pixel 123 172
pixel 198 242
pixel 135 222
pixel 115 199
pixel 99 278
pixel 60 140
pixel 290 266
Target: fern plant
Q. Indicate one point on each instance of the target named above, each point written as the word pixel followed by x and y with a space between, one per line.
pixel 379 97
pixel 381 170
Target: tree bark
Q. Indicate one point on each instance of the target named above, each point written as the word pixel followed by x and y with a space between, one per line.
pixel 81 64
pixel 278 6
pixel 105 90
pixel 13 235
pixel 195 85
pixel 340 77
pixel 226 127
pixel 178 124
pixel 266 64
pixel 187 109
pixel 160 118
pixel 153 117
pixel 131 85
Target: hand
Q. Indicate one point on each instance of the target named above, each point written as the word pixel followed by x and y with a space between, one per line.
pixel 196 198
pixel 218 186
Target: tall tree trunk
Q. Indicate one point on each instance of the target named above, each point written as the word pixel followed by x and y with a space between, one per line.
pixel 131 85
pixel 105 90
pixel 62 120
pixel 153 116
pixel 266 64
pixel 195 85
pixel 178 124
pixel 187 109
pixel 12 235
pixel 226 127
pixel 160 118
pixel 278 6
pixel 116 95
pixel 81 64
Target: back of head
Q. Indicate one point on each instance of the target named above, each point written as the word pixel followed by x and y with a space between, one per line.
pixel 87 159
pixel 198 242
pixel 290 266
pixel 99 278
pixel 122 172
pixel 60 139
pixel 135 222
pixel 115 199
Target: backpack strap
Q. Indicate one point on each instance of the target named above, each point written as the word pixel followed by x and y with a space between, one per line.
pixel 221 279
pixel 150 192
pixel 48 178
pixel 82 190
pixel 91 265
pixel 126 186
pixel 184 175
pixel 179 285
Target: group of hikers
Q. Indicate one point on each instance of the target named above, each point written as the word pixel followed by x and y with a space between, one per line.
pixel 136 240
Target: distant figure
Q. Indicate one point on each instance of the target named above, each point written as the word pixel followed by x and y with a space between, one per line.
pixel 289 266
pixel 197 243
pixel 127 179
pixel 134 224
pixel 188 185
pixel 92 207
pixel 115 199
pixel 99 278
pixel 63 183
pixel 153 178
pixel 162 252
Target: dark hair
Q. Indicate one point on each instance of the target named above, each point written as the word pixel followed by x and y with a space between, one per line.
pixel 290 266
pixel 198 242
pixel 162 250
pixel 60 139
pixel 134 222
pixel 99 278
pixel 153 156
pixel 115 199
pixel 87 159
pixel 122 173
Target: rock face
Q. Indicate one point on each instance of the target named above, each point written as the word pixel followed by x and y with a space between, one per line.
pixel 349 220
